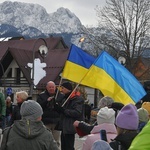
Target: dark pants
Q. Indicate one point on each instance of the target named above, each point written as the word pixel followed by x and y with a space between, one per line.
pixel 67 141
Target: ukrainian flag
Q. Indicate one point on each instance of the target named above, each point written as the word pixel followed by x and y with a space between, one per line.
pixel 77 64
pixel 114 80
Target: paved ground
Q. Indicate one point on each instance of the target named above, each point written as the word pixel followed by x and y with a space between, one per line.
pixel 79 142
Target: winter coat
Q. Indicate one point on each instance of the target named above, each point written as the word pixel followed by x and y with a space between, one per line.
pixel 28 135
pixel 15 114
pixel 123 141
pixel 85 127
pixel 73 110
pixel 141 141
pixel 111 133
pixel 9 109
pixel 2 105
pixel 50 115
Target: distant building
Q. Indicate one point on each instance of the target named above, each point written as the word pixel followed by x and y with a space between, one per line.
pixel 16 53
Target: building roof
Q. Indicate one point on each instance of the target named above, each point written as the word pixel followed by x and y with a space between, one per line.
pixel 22 52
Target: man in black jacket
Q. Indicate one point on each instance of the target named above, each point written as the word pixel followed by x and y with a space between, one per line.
pixel 72 110
pixel 50 116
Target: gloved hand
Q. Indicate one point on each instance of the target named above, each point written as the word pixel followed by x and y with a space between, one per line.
pixel 58 108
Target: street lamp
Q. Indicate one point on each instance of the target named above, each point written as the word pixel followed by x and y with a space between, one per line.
pixel 96 92
pixel 122 57
pixel 43 50
pixel 4 78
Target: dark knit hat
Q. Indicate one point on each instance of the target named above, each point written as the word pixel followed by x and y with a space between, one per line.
pixel 128 118
pixel 116 105
pixel 67 85
pixel 31 110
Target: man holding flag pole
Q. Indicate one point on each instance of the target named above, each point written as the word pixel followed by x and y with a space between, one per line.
pixel 70 110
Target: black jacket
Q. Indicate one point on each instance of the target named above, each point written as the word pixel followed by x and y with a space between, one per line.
pixel 85 127
pixel 123 141
pixel 15 114
pixel 73 110
pixel 50 115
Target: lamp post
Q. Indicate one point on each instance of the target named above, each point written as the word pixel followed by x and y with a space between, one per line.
pixel 43 50
pixel 96 92
pixel 122 58
pixel 4 78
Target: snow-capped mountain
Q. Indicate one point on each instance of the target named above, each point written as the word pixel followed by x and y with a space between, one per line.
pixel 24 15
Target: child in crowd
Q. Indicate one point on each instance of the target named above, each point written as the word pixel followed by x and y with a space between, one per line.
pixel 101 145
pixel 85 128
pixel 105 120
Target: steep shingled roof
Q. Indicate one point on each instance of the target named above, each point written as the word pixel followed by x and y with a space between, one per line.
pixel 22 52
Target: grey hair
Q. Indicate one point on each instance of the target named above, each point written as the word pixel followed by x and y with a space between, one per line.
pixel 105 101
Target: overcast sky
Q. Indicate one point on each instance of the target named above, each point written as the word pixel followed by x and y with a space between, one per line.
pixel 83 9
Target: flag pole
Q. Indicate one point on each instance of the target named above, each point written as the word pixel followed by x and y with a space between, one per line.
pixel 58 88
pixel 75 88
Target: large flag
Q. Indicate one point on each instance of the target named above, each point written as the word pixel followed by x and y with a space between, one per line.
pixel 77 64
pixel 114 80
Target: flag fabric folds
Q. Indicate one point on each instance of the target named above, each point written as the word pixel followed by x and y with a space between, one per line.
pixel 114 80
pixel 77 64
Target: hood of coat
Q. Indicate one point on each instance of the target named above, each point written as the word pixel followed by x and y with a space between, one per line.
pixel 28 129
pixel 110 128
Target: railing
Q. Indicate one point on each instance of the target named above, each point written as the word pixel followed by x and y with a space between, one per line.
pixel 13 82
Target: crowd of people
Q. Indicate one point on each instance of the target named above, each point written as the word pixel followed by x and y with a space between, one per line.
pixel 51 121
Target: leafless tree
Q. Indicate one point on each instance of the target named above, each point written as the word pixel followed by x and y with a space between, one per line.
pixel 128 25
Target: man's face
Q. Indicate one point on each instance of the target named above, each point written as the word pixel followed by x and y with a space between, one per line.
pixel 51 88
pixel 64 90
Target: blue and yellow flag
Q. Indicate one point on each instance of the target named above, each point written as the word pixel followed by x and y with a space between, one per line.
pixel 114 80
pixel 77 64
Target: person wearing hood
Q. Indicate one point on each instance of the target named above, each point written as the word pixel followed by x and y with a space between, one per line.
pixel 29 133
pixel 70 110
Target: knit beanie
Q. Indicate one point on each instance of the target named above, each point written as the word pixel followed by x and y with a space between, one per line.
pixel 127 117
pixel 31 110
pixel 143 115
pixel 67 85
pixel 101 145
pixel 116 105
pixel 105 101
pixel 146 105
pixel 106 115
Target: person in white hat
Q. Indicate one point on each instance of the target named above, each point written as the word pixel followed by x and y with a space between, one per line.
pixel 105 120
